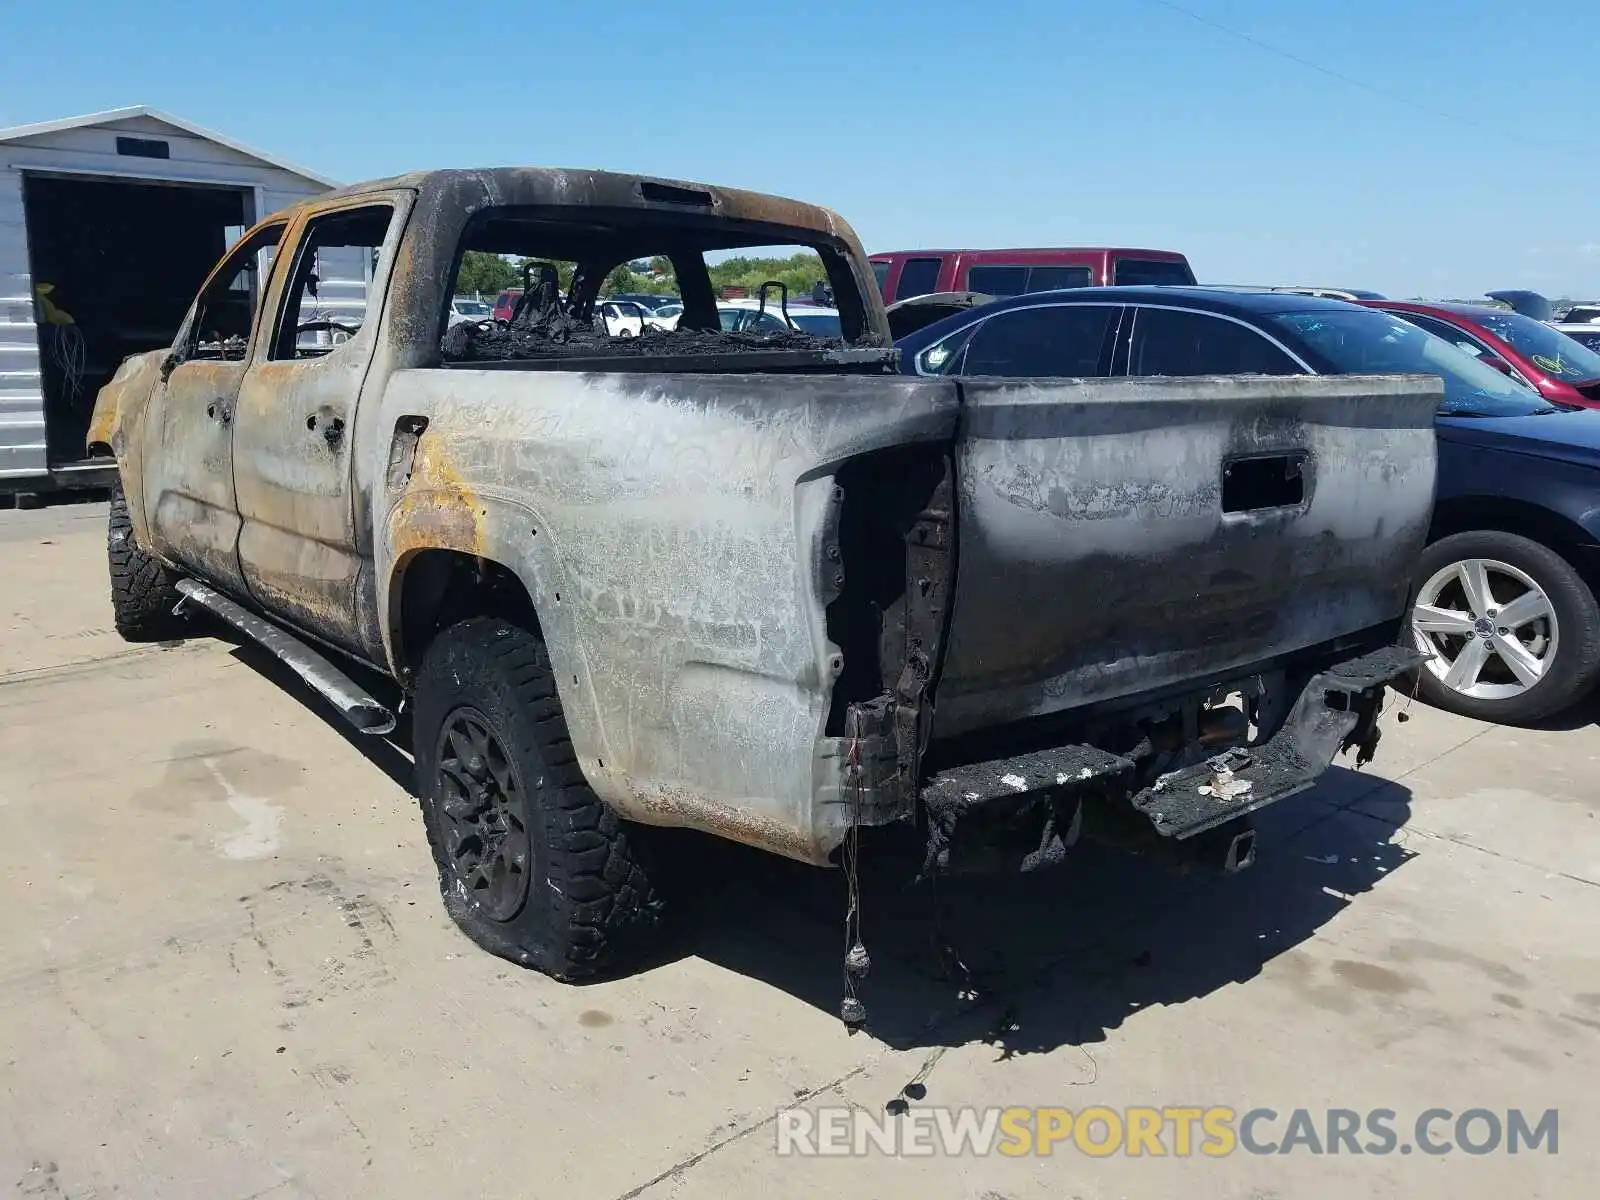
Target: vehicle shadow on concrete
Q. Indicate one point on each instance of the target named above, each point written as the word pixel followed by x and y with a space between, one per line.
pixel 1023 963
pixel 390 753
pixel 1031 963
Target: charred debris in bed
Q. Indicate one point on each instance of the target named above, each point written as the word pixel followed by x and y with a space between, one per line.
pixel 565 337
pixel 544 326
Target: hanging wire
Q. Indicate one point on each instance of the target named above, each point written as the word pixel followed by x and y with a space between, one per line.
pixel 69 354
pixel 856 961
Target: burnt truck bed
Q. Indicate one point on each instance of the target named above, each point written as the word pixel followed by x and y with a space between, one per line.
pixel 793 600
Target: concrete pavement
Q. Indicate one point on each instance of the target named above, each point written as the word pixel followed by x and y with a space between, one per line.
pixel 225 972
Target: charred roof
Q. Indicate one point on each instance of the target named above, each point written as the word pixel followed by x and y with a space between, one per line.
pixel 565 187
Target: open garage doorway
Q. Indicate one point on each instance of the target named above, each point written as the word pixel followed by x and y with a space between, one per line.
pixel 115 264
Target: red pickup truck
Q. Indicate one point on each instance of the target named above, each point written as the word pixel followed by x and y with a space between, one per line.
pixel 902 274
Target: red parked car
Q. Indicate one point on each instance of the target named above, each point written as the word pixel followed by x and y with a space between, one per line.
pixel 902 274
pixel 506 303
pixel 1561 369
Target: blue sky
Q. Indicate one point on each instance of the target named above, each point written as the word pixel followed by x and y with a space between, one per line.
pixel 1468 159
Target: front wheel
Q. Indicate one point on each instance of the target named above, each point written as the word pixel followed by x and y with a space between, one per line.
pixel 533 866
pixel 1511 628
pixel 143 590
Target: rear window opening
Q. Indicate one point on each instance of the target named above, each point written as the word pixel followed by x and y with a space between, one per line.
pixel 1007 280
pixel 1143 272
pixel 918 277
pixel 608 289
pixel 880 275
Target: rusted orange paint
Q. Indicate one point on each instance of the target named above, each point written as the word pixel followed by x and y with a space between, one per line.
pixel 103 421
pixel 438 510
pixel 680 806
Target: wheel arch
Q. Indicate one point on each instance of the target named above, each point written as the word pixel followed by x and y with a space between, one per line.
pixel 453 555
pixel 1505 514
pixel 435 588
pixel 120 428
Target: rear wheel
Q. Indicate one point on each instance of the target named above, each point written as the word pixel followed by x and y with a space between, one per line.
pixel 143 589
pixel 533 866
pixel 1511 628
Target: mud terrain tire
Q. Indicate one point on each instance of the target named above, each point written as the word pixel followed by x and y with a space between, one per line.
pixel 143 590
pixel 581 890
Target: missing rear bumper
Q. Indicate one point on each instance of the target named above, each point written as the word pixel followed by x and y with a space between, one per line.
pixel 1024 811
pixel 1336 711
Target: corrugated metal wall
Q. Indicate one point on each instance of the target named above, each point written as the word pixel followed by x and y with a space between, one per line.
pixel 93 150
pixel 21 402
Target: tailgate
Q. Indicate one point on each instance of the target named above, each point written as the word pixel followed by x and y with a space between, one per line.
pixel 1121 536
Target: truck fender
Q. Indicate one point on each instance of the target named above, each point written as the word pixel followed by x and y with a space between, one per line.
pixel 512 535
pixel 117 428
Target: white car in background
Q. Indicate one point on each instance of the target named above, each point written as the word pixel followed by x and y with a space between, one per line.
pixel 740 315
pixel 623 318
pixel 465 308
pixel 666 315
pixel 1585 334
pixel 1581 322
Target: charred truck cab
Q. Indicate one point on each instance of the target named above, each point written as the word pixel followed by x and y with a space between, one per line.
pixel 753 583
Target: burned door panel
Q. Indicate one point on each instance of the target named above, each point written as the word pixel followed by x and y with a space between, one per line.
pixel 295 432
pixel 188 485
pixel 1097 560
pixel 189 492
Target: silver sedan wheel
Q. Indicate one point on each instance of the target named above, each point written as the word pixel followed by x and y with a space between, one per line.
pixel 1489 628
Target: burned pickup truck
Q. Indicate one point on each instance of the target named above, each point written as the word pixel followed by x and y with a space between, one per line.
pixel 757 585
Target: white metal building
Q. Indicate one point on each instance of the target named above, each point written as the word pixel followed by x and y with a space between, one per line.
pixel 108 225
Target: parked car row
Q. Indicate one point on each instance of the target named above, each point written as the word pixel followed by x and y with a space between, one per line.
pixel 738 315
pixel 629 318
pixel 1584 335
pixel 630 314
pixel 1505 591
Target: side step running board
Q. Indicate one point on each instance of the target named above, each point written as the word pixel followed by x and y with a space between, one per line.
pixel 354 704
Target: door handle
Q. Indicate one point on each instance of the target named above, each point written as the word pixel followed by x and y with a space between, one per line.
pixel 218 410
pixel 332 428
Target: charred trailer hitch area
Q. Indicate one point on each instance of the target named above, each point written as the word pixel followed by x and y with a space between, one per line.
pixel 884 569
pixel 1177 781
pixel 1175 778
pixel 887 569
